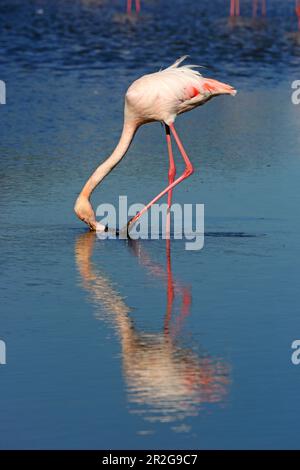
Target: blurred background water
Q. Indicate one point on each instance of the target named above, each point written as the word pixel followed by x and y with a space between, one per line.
pixel 117 344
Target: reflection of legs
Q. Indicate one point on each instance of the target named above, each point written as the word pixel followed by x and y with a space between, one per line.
pixel 187 172
pixel 170 288
pixel 173 287
pixel 184 311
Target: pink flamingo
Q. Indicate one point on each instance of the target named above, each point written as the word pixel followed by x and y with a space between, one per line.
pixel 235 8
pixel 263 7
pixel 159 96
pixel 297 9
pixel 137 6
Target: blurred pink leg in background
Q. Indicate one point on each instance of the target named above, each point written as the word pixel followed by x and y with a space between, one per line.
pixel 235 8
pixel 129 6
pixel 138 5
pixel 297 9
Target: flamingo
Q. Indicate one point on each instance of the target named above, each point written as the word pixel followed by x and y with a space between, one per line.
pixel 235 8
pixel 297 9
pixel 159 96
pixel 263 7
pixel 137 6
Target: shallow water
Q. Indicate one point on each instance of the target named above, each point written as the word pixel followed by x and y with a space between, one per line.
pixel 118 344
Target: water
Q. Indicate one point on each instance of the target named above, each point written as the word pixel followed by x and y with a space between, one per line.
pixel 117 344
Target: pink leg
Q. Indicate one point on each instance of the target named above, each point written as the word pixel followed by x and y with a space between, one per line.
pixel 297 9
pixel 137 6
pixel 237 8
pixel 187 172
pixel 172 167
pixel 129 6
pixel 232 7
pixel 264 7
pixel 255 8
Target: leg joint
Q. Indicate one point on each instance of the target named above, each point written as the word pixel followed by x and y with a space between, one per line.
pixel 172 172
pixel 188 171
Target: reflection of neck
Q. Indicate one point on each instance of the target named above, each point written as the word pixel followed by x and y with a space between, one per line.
pixel 98 285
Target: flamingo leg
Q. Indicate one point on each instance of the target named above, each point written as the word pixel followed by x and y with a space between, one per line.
pixel 129 6
pixel 172 167
pixel 255 5
pixel 187 172
pixel 297 8
pixel 235 8
pixel 138 5
pixel 264 7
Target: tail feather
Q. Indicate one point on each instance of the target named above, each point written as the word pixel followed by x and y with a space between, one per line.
pixel 178 61
pixel 215 87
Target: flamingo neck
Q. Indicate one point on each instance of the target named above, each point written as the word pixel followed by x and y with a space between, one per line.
pixel 128 132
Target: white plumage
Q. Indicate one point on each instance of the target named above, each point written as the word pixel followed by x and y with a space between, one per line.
pixel 162 95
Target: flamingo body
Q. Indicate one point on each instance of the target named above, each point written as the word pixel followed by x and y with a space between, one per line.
pixel 163 95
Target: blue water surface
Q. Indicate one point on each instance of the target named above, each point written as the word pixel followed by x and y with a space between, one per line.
pixel 141 344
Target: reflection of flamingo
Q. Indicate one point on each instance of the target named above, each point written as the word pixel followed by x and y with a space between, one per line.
pixel 173 380
pixel 137 6
pixel 174 288
pixel 159 96
pixel 297 9
pixel 263 7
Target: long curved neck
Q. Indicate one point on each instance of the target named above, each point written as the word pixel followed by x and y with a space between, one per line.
pixel 129 130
